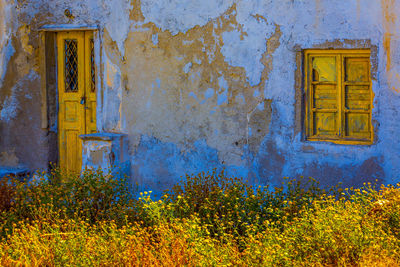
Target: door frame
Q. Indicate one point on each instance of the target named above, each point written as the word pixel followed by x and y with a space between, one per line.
pixel 48 63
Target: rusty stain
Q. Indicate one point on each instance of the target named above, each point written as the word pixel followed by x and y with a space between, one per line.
pixel 389 26
pixel 386 46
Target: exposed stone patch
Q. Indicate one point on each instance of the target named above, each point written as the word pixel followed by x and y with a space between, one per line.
pixel 187 76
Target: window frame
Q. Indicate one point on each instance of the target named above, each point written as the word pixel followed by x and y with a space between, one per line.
pixel 340 54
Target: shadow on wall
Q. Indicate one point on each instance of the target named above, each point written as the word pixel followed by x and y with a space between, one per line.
pixel 269 164
pixel 158 166
pixel 349 175
pixel 271 168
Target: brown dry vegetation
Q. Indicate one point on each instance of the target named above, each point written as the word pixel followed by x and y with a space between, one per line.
pixel 207 220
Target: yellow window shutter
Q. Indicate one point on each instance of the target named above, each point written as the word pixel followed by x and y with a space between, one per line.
pixel 357 97
pixel 338 96
pixel 324 96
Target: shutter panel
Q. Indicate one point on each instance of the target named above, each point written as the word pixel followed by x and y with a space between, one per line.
pixel 324 96
pixel 357 98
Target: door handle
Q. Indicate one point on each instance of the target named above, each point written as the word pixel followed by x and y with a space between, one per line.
pixel 83 100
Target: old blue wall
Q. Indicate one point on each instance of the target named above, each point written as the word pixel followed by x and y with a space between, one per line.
pixel 199 85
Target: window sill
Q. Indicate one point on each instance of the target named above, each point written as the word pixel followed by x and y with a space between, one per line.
pixel 341 141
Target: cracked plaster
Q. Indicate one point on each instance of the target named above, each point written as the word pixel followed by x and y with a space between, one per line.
pixel 203 84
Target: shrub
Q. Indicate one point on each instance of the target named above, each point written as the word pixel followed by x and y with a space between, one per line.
pixel 7 192
pixel 228 205
pixel 208 219
pixel 92 196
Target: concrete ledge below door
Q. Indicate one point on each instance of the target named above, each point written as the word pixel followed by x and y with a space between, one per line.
pixel 107 152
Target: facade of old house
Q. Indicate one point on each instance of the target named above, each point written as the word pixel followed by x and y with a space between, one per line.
pixel 265 89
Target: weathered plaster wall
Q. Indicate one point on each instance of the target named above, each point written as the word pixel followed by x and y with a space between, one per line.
pixel 227 92
pixel 198 85
pixel 21 140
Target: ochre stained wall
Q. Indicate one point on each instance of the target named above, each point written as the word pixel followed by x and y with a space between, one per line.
pixel 199 85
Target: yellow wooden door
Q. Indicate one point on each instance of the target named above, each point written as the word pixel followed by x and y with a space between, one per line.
pixel 76 93
pixel 90 81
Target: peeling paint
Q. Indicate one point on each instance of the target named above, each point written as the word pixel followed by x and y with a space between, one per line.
pixel 7 52
pixel 6 48
pixel 23 33
pixel 118 21
pixel 391 24
pixel 11 106
pixel 248 41
pixel 203 84
pixel 9 109
pixel 181 16
pixel 112 96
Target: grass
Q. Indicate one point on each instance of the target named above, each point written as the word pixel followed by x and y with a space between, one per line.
pixel 206 220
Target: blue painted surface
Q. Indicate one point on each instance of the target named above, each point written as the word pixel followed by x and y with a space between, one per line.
pixel 188 109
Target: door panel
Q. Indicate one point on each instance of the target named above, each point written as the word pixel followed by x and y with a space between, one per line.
pixel 90 75
pixel 74 64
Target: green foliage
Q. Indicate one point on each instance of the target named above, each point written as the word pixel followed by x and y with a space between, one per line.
pixel 91 196
pixel 230 206
pixel 208 219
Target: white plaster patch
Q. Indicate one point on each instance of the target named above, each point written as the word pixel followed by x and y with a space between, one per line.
pixel 193 95
pixel 222 83
pixel 118 22
pixel 245 50
pixel 260 106
pixel 154 39
pixel 112 98
pixel 6 48
pixel 187 67
pixel 10 108
pixel 222 98
pixel 96 155
pixel 113 75
pixel 5 54
pixel 182 15
pixel 198 61
pixel 256 93
pixel 208 93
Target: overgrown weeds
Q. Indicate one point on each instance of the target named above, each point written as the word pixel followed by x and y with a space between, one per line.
pixel 208 219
